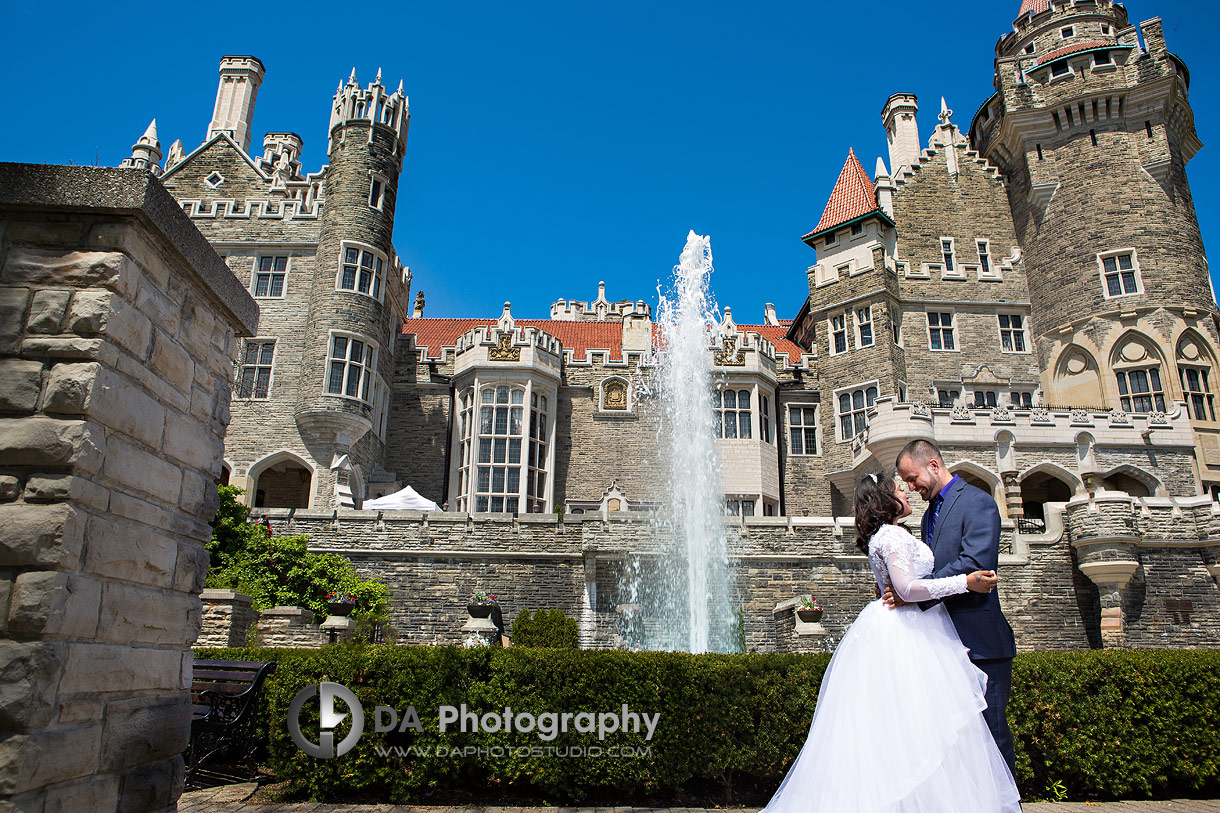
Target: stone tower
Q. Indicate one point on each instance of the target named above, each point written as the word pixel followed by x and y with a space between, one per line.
pixel 1092 131
pixel 351 319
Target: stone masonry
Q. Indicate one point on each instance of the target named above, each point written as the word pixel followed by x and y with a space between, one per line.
pixel 118 325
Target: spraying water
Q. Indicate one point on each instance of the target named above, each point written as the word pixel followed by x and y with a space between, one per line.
pixel 692 595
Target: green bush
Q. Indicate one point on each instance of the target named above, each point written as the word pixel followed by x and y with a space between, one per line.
pixel 1099 725
pixel 278 569
pixel 547 628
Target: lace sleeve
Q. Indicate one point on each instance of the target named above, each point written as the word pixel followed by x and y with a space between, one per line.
pixel 898 549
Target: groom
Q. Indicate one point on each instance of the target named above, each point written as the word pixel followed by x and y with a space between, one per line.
pixel 962 527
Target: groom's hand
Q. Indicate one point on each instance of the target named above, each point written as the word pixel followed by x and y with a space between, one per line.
pixel 892 600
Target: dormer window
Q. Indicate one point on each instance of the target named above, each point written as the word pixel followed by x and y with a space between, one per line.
pixel 830 239
pixel 1102 58
pixel 857 228
pixel 1060 68
pixel 1066 31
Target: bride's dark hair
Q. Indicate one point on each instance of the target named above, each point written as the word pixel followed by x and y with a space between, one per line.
pixel 877 504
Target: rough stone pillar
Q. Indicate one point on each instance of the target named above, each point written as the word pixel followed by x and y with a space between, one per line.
pixel 117 334
pixel 1105 534
pixel 227 618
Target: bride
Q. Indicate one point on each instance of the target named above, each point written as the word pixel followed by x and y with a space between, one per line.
pixel 898 726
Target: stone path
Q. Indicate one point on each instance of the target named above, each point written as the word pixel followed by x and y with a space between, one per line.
pixel 230 799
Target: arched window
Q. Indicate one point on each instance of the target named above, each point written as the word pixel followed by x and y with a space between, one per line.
pixel 1196 373
pixel 1077 382
pixel 1138 371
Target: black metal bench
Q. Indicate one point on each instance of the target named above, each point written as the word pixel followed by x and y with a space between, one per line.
pixel 225 695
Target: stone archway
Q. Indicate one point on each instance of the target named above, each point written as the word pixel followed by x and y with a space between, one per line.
pixel 1042 485
pixel 281 480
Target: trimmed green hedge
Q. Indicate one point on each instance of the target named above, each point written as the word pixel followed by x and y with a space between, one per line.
pixel 547 628
pixel 1101 724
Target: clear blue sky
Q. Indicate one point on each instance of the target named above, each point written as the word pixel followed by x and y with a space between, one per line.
pixel 553 145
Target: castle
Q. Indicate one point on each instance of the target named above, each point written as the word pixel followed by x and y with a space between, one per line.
pixel 1031 293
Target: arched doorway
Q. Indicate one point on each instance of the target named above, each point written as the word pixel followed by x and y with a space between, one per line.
pixel 281 480
pixel 1040 487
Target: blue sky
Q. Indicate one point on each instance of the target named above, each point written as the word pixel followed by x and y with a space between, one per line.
pixel 553 145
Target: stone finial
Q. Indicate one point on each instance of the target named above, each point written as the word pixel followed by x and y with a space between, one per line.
pixel 146 152
pixel 400 90
pixel 881 172
pixel 506 322
pixel 945 112
pixel 769 317
pixel 377 81
pixel 418 313
pixel 351 80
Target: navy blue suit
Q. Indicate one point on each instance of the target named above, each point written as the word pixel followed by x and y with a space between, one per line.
pixel 967 538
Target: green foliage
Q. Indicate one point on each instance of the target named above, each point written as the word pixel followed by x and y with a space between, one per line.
pixel 278 570
pixel 546 628
pixel 1088 725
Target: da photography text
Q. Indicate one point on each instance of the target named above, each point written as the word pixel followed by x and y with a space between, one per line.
pixel 546 725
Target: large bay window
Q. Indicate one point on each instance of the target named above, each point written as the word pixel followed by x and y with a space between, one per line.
pixel 732 408
pixel 853 406
pixel 360 270
pixel 503 448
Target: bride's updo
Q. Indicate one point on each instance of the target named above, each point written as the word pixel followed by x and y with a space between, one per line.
pixel 877 504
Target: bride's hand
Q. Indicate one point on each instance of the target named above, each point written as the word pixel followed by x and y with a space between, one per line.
pixel 982 581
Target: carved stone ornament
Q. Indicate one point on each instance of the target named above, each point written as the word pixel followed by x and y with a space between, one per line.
pixel 1039 415
pixel 1000 414
pixel 1118 416
pixel 920 410
pixel 728 356
pixel 504 350
pixel 960 413
pixel 1081 416
pixel 1158 418
pixel 614 396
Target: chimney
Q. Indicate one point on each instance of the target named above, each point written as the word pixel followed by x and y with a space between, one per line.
pixel 240 77
pixel 769 317
pixel 901 131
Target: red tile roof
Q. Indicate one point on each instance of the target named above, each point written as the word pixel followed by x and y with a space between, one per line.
pixel 1036 6
pixel 854 195
pixel 578 337
pixel 1072 49
pixel 776 334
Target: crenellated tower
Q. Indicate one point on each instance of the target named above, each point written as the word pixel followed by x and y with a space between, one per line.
pixel 359 289
pixel 1093 130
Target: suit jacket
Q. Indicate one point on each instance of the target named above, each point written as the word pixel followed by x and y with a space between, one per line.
pixel 967 538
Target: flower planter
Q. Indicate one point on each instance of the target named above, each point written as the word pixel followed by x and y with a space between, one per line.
pixel 480 610
pixel 809 616
pixel 340 607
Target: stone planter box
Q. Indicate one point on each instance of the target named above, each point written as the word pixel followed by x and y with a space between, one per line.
pixel 809 616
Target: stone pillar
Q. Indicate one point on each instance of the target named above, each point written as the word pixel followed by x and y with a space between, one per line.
pixel 1012 494
pixel 289 626
pixel 1105 534
pixel 338 628
pixel 117 334
pixel 227 618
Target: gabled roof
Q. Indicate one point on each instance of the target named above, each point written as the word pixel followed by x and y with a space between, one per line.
pixel 1036 6
pixel 854 196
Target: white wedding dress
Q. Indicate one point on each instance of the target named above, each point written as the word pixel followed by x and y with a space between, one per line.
pixel 898 726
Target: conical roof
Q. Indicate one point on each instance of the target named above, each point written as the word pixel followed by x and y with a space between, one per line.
pixel 1036 6
pixel 854 195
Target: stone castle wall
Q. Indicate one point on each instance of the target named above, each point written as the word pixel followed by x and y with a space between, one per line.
pixel 117 333
pixel 432 563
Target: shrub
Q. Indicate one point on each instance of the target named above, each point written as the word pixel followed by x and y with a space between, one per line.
pixel 1093 725
pixel 547 628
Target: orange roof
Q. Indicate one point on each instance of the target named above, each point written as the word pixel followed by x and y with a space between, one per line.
pixel 777 335
pixel 579 337
pixel 1071 49
pixel 1036 6
pixel 854 195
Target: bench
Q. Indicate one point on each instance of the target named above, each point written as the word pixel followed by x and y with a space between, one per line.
pixel 225 697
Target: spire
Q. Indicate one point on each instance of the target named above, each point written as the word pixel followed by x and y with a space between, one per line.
pixel 945 112
pixel 150 135
pixel 377 81
pixel 352 79
pixel 881 172
pixel 853 196
pixel 400 90
pixel 146 152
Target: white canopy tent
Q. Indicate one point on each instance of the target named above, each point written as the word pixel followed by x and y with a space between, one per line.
pixel 406 500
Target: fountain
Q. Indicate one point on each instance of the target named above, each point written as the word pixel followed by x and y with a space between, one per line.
pixel 688 593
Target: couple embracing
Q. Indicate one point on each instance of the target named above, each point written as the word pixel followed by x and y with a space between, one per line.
pixel 911 714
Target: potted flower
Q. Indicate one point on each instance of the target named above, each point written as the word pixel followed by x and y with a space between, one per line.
pixel 481 604
pixel 809 610
pixel 340 603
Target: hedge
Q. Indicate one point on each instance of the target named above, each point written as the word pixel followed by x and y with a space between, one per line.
pixel 1107 724
pixel 547 628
